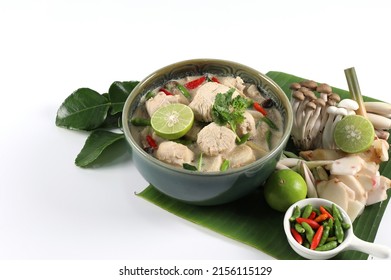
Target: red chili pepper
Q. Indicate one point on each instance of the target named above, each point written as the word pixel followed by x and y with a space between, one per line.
pixel 259 108
pixel 195 83
pixel 316 238
pixel 166 91
pixel 214 79
pixel 312 223
pixel 151 142
pixel 312 215
pixel 297 236
pixel 324 211
pixel 321 218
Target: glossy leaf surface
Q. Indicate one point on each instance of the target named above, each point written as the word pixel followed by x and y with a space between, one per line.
pixel 84 109
pixel 118 93
pixel 96 143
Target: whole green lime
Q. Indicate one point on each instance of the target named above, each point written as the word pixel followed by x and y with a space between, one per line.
pixel 283 188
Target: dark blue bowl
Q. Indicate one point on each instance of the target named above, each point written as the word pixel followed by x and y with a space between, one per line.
pixel 210 188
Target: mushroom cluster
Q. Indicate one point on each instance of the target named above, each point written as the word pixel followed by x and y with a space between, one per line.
pixel 316 112
pixel 350 180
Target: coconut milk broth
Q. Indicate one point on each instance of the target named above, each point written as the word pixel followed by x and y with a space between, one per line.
pixel 267 134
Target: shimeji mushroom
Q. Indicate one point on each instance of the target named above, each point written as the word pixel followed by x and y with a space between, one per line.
pixel 335 114
pixel 309 105
pixel 327 135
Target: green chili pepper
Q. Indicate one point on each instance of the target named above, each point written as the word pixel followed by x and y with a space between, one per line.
pixel 149 95
pixel 306 244
pixel 199 163
pixel 140 122
pixel 307 211
pixel 331 225
pixel 296 214
pixel 325 235
pixel 309 232
pixel 268 136
pixel 299 228
pixel 184 91
pixel 331 238
pixel 316 210
pixel 328 246
pixel 339 233
pixel 268 121
pixel 243 139
pixel 225 165
pixel 328 208
pixel 345 226
pixel 336 213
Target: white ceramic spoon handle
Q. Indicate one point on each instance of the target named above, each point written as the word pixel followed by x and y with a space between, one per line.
pixel 372 249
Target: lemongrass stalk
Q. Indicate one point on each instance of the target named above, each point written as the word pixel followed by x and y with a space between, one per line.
pixel 355 91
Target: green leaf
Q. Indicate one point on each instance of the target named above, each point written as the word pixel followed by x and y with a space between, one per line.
pixel 118 93
pixel 227 110
pixel 96 143
pixel 258 225
pixel 84 109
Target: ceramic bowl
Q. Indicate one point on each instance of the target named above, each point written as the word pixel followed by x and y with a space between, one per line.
pixel 210 188
pixel 350 242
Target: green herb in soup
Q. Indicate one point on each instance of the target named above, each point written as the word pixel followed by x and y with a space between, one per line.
pixel 231 128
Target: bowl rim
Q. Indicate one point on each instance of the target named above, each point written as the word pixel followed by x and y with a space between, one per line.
pixel 138 90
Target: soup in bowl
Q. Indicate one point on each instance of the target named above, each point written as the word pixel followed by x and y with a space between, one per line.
pixel 206 131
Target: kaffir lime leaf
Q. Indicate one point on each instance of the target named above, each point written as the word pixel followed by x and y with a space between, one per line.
pixel 354 134
pixel 172 121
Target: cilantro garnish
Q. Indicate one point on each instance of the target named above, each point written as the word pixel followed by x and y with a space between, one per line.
pixel 228 110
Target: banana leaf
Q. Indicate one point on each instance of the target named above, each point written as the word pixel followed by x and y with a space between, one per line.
pixel 249 220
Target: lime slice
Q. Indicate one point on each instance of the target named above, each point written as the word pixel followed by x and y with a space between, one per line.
pixel 172 121
pixel 354 134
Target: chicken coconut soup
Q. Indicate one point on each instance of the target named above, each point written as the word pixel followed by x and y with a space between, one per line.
pixel 207 123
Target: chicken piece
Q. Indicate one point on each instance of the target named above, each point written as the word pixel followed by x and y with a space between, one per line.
pixel 260 139
pixel 240 156
pixel 214 139
pixel 253 92
pixel 203 101
pixel 160 100
pixel 211 164
pixel 247 126
pixel 232 82
pixel 174 153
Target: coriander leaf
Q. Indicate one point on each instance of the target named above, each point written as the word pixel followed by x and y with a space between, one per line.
pixel 118 93
pixel 227 110
pixel 84 109
pixel 221 108
pixel 96 143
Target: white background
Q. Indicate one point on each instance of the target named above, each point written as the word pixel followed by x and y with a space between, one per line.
pixel 52 210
